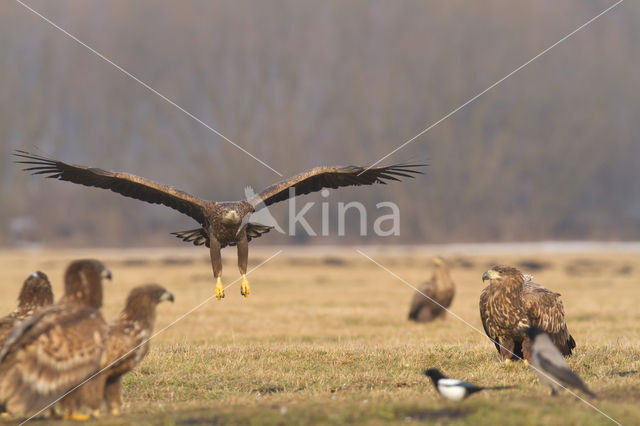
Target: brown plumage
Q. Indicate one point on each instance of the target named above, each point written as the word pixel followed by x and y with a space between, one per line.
pixel 57 348
pixel 222 223
pixel 509 304
pixel 35 293
pixel 128 343
pixel 439 288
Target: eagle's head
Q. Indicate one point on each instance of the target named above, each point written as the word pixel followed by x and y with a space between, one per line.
pixel 231 217
pixel 502 273
pixel 142 301
pixel 83 282
pixel 36 291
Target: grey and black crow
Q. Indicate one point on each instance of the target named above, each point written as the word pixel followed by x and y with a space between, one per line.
pixel 549 364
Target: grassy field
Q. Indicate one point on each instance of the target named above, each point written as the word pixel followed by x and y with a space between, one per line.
pixel 324 338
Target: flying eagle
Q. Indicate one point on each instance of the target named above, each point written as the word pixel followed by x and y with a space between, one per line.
pixel 128 340
pixel 56 349
pixel 440 288
pixel 35 293
pixel 222 223
pixel 509 304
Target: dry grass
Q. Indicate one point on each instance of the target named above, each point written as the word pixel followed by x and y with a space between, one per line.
pixel 324 338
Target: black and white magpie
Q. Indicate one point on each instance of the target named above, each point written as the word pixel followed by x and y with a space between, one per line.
pixel 454 389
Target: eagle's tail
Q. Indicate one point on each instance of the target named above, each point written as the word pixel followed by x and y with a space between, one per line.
pixel 200 237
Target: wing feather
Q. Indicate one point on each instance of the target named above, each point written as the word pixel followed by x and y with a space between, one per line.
pixel 333 177
pixel 545 310
pixel 484 316
pixel 122 183
pixel 48 354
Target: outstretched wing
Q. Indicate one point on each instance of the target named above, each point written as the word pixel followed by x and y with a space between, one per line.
pixel 332 177
pixel 545 311
pixel 123 183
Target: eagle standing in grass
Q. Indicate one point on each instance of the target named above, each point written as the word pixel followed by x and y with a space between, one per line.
pixel 440 288
pixel 222 223
pixel 128 340
pixel 35 293
pixel 509 304
pixel 48 354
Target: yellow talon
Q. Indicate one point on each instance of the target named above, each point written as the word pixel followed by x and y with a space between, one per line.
pixel 95 414
pixel 244 287
pixel 76 416
pixel 507 361
pixel 219 289
pixel 115 412
pixel 526 362
pixel 4 414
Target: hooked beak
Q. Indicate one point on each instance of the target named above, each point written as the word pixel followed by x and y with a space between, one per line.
pixel 231 217
pixel 106 274
pixel 490 275
pixel 166 296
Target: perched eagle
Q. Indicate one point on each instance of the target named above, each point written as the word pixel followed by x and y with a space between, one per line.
pixel 128 340
pixel 440 288
pixel 509 304
pixel 56 349
pixel 222 223
pixel 36 292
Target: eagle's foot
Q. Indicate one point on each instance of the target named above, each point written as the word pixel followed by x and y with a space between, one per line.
pixel 115 411
pixel 95 414
pixel 219 289
pixel 507 361
pixel 244 287
pixel 4 415
pixel 526 362
pixel 74 415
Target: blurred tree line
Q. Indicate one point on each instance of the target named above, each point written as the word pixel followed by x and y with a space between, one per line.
pixel 551 153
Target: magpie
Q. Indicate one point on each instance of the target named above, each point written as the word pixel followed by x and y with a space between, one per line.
pixel 549 364
pixel 454 389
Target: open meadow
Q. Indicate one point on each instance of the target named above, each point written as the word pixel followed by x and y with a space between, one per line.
pixel 324 336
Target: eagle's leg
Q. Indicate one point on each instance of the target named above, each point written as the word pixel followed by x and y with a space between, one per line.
pixel 216 264
pixel 506 349
pixel 526 350
pixel 112 391
pixel 243 258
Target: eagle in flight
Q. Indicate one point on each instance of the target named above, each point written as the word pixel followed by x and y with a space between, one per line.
pixel 222 223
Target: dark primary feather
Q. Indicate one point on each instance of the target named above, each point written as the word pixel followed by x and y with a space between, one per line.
pixel 122 183
pixel 333 177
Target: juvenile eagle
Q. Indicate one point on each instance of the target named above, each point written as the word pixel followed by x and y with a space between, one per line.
pixel 57 348
pixel 128 338
pixel 509 304
pixel 35 293
pixel 222 223
pixel 440 288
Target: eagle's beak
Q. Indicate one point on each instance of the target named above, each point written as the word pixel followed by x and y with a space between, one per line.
pixel 106 274
pixel 166 296
pixel 231 217
pixel 437 261
pixel 490 275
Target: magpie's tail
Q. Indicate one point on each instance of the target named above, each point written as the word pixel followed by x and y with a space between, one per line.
pixel 499 387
